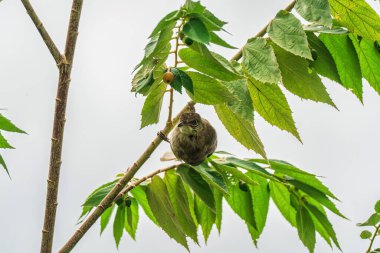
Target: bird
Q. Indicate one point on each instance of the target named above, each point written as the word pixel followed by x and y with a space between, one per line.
pixel 193 139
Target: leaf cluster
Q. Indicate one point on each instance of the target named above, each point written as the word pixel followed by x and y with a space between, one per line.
pixel 372 221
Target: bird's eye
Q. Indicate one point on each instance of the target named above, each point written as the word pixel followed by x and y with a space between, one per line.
pixel 194 122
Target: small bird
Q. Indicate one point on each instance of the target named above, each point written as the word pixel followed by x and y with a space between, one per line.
pixel 193 139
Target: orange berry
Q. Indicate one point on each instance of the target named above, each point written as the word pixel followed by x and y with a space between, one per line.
pixel 168 77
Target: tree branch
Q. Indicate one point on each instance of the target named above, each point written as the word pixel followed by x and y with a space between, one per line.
pixel 373 239
pixel 107 201
pixel 58 128
pixel 262 32
pixel 44 34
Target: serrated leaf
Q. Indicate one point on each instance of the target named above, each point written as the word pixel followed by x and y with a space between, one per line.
pixel 178 198
pixel 358 16
pixel 181 79
pixel 242 130
pixel 346 60
pixel 218 196
pixel 286 31
pixel 377 205
pixel 281 197
pixel 142 82
pixel 317 11
pixel 99 193
pixel 299 79
pixel 206 63
pixel 271 104
pixel 241 203
pixel 373 220
pixel 200 187
pixel 7 125
pixel 305 227
pixel 4 143
pixel 208 90
pixel 163 210
pixel 243 105
pixel 118 224
pixel 196 30
pixel 151 110
pixel 205 216
pixel 131 218
pixel 323 220
pixel 324 64
pixel 235 172
pixel 369 59
pixel 164 22
pixel 215 39
pixel 250 166
pixel 260 61
pixel 105 218
pixel 140 195
pixel 213 177
pixel 365 234
pixel 2 163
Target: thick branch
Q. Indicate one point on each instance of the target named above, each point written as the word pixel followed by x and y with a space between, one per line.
pixel 44 34
pixel 114 193
pixel 262 32
pixel 58 129
pixel 107 201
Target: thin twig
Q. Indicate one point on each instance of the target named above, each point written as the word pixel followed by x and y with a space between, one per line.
pixel 58 128
pixel 44 34
pixel 373 239
pixel 107 201
pixel 143 179
pixel 262 32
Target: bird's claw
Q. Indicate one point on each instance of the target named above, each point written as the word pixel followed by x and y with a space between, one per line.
pixel 163 136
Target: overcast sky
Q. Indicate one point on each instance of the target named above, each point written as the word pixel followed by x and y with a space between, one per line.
pixel 102 135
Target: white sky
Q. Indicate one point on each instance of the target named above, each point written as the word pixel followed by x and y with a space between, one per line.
pixel 102 135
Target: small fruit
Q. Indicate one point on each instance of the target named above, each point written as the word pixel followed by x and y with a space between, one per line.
pixel 243 186
pixel 168 77
pixel 188 41
pixel 119 201
pixel 128 202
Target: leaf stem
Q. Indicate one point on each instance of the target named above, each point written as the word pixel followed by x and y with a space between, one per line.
pixel 44 34
pixel 262 32
pixel 58 128
pixel 373 238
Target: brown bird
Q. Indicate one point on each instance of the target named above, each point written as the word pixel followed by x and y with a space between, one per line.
pixel 193 139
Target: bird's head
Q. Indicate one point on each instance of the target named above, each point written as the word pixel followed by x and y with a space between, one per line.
pixel 190 123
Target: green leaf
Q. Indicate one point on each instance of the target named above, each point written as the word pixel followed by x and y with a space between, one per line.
pixel 317 11
pixel 140 195
pixel 196 30
pixel 305 227
pixel 323 220
pixel 215 39
pixel 358 16
pixel 369 59
pixel 142 82
pixel 241 203
pixel 281 197
pixel 212 177
pixel 346 60
pixel 197 184
pixel 286 31
pixel 118 224
pixel 271 104
pixel 218 196
pixel 164 22
pixel 242 130
pixel 2 163
pixel 4 143
pixel 377 205
pixel 208 90
pixel 373 220
pixel 260 200
pixel 250 166
pixel 205 216
pixel 206 63
pixel 178 198
pixel 181 79
pixel 150 113
pixel 105 218
pixel 299 79
pixel 98 194
pixel 131 218
pixel 324 64
pixel 159 202
pixel 7 125
pixel 320 197
pixel 365 234
pixel 242 107
pixel 260 61
pixel 235 172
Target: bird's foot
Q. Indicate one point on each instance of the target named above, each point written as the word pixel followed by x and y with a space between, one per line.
pixel 163 136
